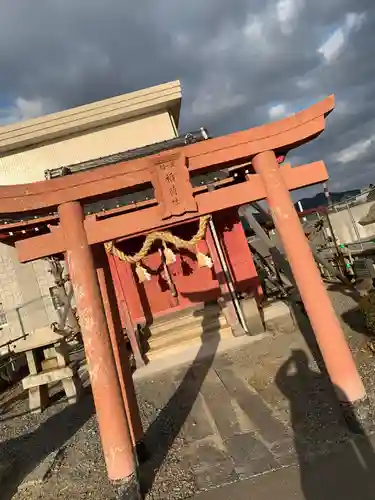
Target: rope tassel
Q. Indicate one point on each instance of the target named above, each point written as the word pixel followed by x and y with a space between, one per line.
pixel 170 257
pixel 142 273
pixel 204 260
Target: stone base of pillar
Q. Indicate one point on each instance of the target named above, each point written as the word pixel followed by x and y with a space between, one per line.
pixel 128 489
pixel 359 416
pixel 252 316
pixel 229 311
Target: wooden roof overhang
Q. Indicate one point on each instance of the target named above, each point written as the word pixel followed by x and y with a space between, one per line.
pixel 131 198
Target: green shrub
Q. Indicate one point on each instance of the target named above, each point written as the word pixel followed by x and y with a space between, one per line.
pixel 367 308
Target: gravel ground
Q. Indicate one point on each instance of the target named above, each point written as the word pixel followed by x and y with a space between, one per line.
pixel 79 470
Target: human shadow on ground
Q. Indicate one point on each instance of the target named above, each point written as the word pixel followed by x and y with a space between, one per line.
pixel 166 427
pixel 334 463
pixel 28 451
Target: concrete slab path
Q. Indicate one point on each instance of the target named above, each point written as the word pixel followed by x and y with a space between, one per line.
pixel 258 420
pixel 346 475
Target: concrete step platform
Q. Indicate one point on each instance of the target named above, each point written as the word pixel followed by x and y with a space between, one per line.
pixel 179 331
pixel 186 332
pixel 193 316
pixel 188 339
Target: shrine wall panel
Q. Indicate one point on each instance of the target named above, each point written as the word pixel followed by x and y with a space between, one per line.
pixel 237 251
pixel 194 285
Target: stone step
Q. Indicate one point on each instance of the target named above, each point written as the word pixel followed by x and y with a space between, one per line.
pixel 272 430
pixel 188 317
pixel 230 422
pixel 210 464
pixel 175 348
pixel 182 331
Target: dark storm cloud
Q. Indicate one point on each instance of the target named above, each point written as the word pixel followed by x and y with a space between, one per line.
pixel 236 60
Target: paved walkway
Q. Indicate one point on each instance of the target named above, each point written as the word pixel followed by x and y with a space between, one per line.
pixel 346 475
pixel 261 419
pixel 251 412
pixel 246 413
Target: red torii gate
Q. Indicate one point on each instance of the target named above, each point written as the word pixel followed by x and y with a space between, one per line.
pixel 250 158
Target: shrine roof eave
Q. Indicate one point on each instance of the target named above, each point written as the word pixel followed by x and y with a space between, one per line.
pixel 165 97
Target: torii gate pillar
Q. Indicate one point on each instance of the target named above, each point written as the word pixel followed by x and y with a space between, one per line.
pixel 113 423
pixel 329 335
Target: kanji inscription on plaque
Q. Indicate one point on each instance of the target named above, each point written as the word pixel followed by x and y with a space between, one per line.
pixel 171 181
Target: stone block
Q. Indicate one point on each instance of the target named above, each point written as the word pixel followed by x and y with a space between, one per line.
pixel 41 337
pixel 40 473
pixel 49 364
pixel 279 318
pixel 249 455
pixel 38 398
pixel 71 387
pixel 5 468
pixel 48 377
pixel 33 362
pixel 49 353
pixel 62 354
pixel 264 421
pixel 252 316
pixel 210 465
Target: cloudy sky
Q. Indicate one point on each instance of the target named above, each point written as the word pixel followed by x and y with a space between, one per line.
pixel 241 63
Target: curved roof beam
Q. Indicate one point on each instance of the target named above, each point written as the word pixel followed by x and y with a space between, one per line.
pixel 281 135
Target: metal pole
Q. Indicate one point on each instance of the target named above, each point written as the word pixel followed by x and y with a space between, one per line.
pixel 276 254
pixel 358 236
pixel 339 253
pixel 301 210
pixel 327 194
pixel 227 275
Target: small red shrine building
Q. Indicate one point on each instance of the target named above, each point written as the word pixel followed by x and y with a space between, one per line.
pixel 38 148
pixel 191 285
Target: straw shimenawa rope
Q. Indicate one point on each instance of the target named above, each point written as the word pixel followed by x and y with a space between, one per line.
pixel 165 237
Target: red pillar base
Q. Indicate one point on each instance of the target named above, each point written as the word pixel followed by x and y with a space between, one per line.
pixel 128 489
pixel 359 416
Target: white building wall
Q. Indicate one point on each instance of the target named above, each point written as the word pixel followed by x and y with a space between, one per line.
pixel 24 288
pixel 24 296
pixel 29 165
pixel 343 225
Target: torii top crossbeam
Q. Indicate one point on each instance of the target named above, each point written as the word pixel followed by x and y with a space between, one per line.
pixel 35 205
